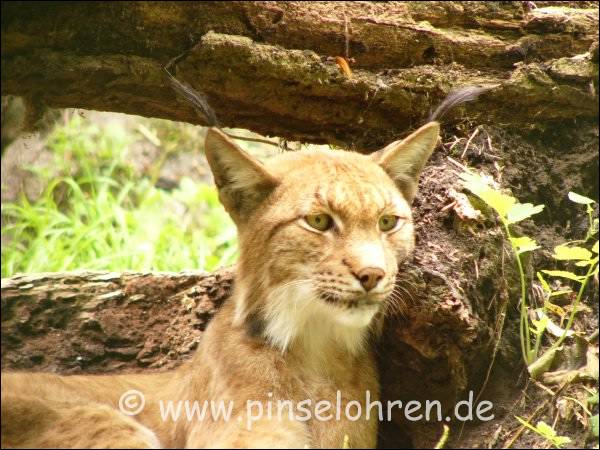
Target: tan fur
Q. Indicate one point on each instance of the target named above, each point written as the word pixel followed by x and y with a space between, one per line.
pixel 299 325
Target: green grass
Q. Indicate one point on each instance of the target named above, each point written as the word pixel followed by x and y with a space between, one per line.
pixel 97 213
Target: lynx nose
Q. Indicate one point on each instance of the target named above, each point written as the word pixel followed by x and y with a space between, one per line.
pixel 369 277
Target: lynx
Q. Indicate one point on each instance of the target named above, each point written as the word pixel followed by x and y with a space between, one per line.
pixel 321 236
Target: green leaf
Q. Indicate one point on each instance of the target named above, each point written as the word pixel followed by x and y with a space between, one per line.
pixel 539 326
pixel 550 434
pixel 545 429
pixel 492 197
pixel 564 274
pixel 474 182
pixel 595 248
pixel 541 365
pixel 559 441
pixel 559 311
pixel 544 283
pixel 574 197
pixel 525 423
pixel 562 252
pixel 502 203
pixel 523 244
pixel 562 292
pixel 522 211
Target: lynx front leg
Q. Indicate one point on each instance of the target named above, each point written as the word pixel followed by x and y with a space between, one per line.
pixel 262 433
pixel 29 422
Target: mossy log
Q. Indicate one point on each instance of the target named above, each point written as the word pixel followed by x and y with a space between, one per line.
pixel 269 66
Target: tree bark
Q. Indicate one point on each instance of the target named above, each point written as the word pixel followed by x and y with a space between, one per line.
pixel 102 321
pixel 268 66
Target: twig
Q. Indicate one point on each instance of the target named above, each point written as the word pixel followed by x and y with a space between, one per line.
pixel 544 388
pixel 498 337
pixel 456 141
pixel 251 139
pixel 492 300
pixel 495 437
pixel 448 206
pixel 585 410
pixel 457 164
pixel 543 406
pixel 489 142
pixel 522 428
pixel 475 133
pixel 149 135
pixel 346 37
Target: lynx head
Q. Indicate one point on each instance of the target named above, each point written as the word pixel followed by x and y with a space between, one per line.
pixel 321 235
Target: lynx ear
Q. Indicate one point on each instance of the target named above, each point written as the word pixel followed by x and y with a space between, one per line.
pixel 404 160
pixel 242 181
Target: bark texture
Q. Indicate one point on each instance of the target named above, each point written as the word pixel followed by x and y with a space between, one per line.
pixel 268 66
pixel 106 321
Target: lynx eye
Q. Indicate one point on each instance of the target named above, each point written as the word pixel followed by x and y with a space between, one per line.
pixel 388 222
pixel 321 222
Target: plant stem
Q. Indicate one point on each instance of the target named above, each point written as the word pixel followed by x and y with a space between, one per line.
pixel 538 341
pixel 590 232
pixel 575 305
pixel 524 333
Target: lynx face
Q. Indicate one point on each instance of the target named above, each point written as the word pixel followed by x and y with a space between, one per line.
pixel 321 234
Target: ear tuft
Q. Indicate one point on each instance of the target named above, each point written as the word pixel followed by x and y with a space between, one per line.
pixel 404 160
pixel 243 182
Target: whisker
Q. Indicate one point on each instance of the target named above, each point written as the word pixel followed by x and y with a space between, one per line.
pixel 398 305
pixel 394 307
